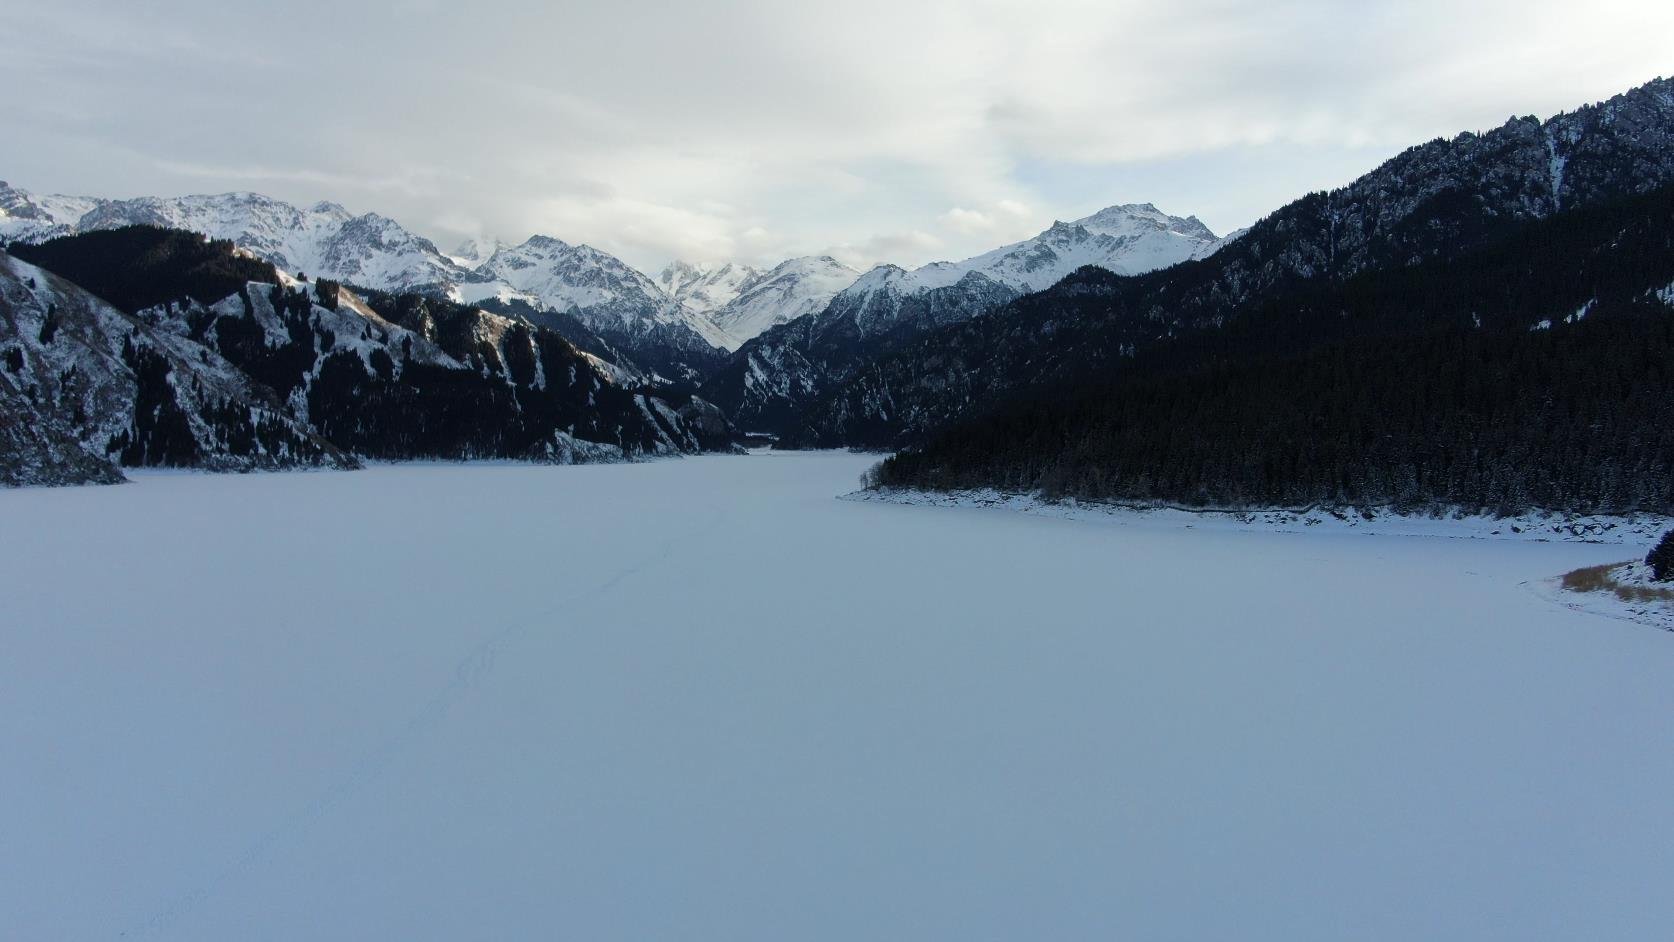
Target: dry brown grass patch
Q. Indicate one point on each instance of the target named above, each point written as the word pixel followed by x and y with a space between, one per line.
pixel 1591 579
pixel 1599 579
pixel 1641 593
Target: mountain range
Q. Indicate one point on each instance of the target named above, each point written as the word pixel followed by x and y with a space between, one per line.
pixel 1482 321
pixel 744 301
pixel 772 379
pixel 140 346
pixel 681 327
pixel 1431 202
pixel 1122 355
pixel 659 334
pixel 706 287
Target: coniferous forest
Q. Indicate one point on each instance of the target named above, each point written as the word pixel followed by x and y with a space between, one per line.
pixel 1536 372
pixel 136 267
pixel 385 375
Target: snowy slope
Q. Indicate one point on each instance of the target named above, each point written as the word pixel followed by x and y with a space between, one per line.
pixel 566 276
pixel 131 390
pixel 295 373
pixel 704 287
pixel 473 252
pixel 744 301
pixel 653 330
pixel 605 292
pixel 27 217
pixel 792 289
pixel 789 366
pixel 1128 240
pixel 675 700
pixel 326 240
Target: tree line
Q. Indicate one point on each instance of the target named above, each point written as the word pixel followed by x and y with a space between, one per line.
pixel 1535 372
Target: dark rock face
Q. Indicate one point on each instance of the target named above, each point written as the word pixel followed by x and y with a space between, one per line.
pixel 87 387
pixel 772 381
pixel 277 376
pixel 706 421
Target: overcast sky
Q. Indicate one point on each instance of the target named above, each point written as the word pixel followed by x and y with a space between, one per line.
pixel 878 131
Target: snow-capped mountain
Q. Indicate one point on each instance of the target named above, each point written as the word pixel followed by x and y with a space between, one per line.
pixel 744 301
pixel 792 289
pixel 369 250
pixel 705 287
pixel 1128 240
pixel 605 294
pixel 771 378
pixel 193 355
pixel 679 326
pixel 473 252
pixel 568 277
pixel 30 218
pixel 640 321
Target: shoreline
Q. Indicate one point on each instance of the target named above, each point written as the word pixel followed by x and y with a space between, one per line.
pixel 1532 526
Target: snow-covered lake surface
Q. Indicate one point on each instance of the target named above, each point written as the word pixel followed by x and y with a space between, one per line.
pixel 702 699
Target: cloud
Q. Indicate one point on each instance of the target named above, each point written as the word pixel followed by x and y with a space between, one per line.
pixel 410 182
pixel 882 248
pixel 1003 217
pixel 765 129
pixel 968 221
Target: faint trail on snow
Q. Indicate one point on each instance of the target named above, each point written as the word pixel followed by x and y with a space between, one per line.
pixel 468 673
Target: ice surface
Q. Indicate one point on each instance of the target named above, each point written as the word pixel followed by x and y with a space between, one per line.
pixel 701 699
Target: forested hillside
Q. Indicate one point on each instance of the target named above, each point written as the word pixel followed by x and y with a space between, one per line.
pixel 1534 372
pixel 771 382
pixel 206 357
pixel 1434 202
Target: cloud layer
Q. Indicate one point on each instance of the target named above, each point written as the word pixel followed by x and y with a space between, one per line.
pixel 755 130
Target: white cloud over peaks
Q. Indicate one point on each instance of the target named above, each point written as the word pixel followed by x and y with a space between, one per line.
pixel 746 128
pixel 1003 217
pixel 881 249
pixel 965 220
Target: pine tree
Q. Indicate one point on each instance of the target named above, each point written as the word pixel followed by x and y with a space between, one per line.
pixel 327 291
pixel 1661 559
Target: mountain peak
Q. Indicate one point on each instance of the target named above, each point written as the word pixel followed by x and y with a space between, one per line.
pixel 811 263
pixel 678 269
pixel 600 289
pixel 1128 238
pixel 473 252
pixel 539 241
pixel 706 287
pixel 791 289
pixel 1131 219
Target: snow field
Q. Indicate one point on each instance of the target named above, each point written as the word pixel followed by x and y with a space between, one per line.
pixel 702 699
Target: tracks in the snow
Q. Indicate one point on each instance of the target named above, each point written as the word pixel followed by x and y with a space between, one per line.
pixel 470 672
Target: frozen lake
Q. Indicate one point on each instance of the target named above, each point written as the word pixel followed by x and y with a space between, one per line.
pixel 701 699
